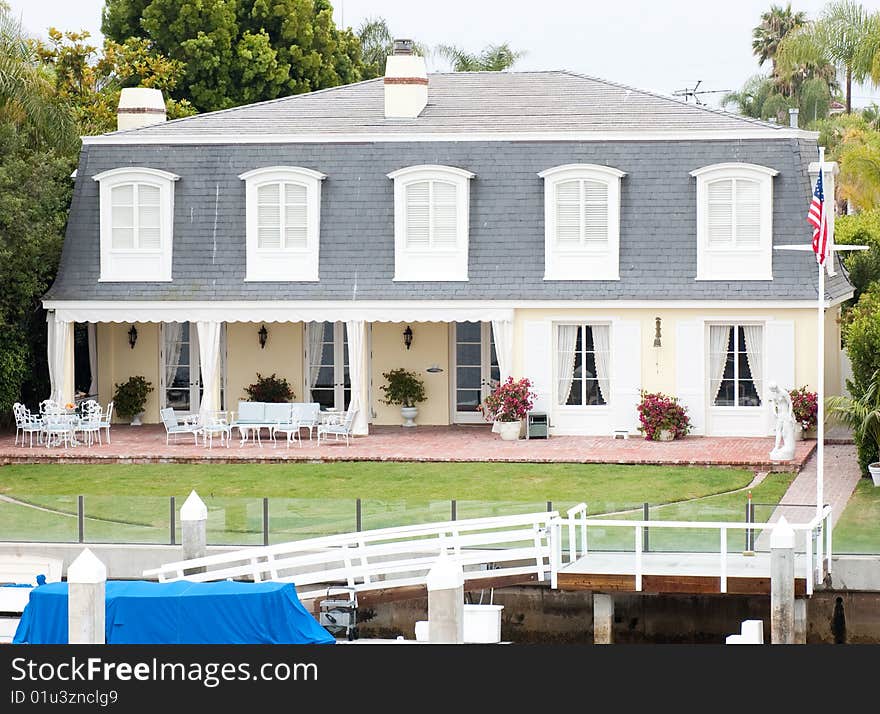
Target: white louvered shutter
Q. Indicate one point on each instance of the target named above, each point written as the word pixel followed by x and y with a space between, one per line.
pixel 445 224
pixel 269 216
pixel 748 213
pixel 568 209
pixel 626 368
pixel 720 212
pixel 295 216
pixel 690 363
pixel 595 211
pixel 539 362
pixel 418 215
pixel 122 213
pixel 149 231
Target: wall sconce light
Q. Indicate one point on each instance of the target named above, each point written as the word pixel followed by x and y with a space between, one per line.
pixel 434 368
pixel 262 335
pixel 132 336
pixel 407 336
pixel 657 332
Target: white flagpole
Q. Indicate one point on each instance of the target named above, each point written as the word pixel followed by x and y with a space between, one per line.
pixel 820 329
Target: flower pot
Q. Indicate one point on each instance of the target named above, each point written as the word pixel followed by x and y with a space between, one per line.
pixel 874 469
pixel 509 430
pixel 136 419
pixel 409 414
pixel 811 433
pixel 664 435
pixel 798 432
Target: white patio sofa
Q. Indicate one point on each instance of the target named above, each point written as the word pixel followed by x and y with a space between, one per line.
pixel 252 417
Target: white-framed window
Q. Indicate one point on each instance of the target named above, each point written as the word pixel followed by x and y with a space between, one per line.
pixel 137 224
pixel 734 222
pixel 431 216
pixel 283 223
pixel 582 222
pixel 583 365
pixel 736 365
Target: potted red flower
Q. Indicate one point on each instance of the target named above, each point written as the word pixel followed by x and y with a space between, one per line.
pixel 662 418
pixel 507 406
pixel 805 405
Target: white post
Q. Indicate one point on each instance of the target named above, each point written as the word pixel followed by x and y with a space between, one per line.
pixel 603 618
pixel 194 527
pixel 782 584
pixel 86 580
pixel 446 602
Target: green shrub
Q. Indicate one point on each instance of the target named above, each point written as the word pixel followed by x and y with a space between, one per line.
pixel 130 397
pixel 404 388
pixel 13 366
pixel 862 333
pixel 270 389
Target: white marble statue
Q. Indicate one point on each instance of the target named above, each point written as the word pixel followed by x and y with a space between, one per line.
pixel 783 449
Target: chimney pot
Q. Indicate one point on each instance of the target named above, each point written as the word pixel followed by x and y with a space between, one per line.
pixel 793 117
pixel 403 47
pixel 139 106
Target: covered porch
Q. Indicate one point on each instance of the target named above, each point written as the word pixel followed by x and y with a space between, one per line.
pixel 201 357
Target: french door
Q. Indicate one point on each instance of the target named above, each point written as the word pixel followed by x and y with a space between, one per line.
pixel 180 372
pixel 474 369
pixel 326 373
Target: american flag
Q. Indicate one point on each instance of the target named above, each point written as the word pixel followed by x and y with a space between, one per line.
pixel 817 218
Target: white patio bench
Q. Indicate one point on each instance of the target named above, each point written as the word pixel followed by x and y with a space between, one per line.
pixel 252 417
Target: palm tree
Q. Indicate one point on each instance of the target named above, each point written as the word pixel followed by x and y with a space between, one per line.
pixel 775 24
pixel 845 36
pixel 27 93
pixel 377 43
pixel 494 58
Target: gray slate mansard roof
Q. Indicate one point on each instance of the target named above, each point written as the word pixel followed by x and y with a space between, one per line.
pixel 506 253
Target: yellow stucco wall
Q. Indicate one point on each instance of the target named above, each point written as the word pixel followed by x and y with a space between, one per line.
pixel 430 345
pixel 283 356
pixel 117 362
pixel 658 366
pixel 833 379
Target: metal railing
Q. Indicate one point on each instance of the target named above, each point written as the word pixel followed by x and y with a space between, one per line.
pixel 817 552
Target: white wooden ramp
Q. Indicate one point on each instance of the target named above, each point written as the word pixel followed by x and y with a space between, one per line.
pixel 490 550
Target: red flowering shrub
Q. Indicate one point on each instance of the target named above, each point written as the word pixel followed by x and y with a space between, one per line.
pixel 509 401
pixel 659 411
pixel 805 406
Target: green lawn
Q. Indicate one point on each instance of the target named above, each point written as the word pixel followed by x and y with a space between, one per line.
pixel 858 530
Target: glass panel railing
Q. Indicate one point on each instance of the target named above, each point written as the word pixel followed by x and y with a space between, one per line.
pixel 300 518
pixel 39 519
pixel 126 519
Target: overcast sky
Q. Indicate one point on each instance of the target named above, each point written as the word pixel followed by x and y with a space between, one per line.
pixel 660 46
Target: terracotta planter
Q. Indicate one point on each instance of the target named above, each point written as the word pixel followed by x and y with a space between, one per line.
pixel 664 435
pixel 509 430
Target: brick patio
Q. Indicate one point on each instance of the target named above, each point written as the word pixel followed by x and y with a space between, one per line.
pixel 146 444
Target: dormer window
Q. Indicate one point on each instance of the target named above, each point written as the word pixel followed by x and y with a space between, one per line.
pixel 581 222
pixel 283 223
pixel 137 220
pixel 734 222
pixel 431 215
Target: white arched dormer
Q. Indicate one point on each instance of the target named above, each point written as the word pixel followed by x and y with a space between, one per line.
pixel 283 223
pixel 431 218
pixel 734 222
pixel 582 222
pixel 136 224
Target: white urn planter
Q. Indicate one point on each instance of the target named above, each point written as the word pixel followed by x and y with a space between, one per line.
pixel 137 419
pixel 798 432
pixel 874 470
pixel 509 430
pixel 409 414
pixel 664 435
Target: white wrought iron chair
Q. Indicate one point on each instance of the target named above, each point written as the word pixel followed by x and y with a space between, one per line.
pixel 174 426
pixel 290 428
pixel 90 422
pixel 217 424
pixel 106 418
pixel 27 424
pixel 338 429
pixel 59 429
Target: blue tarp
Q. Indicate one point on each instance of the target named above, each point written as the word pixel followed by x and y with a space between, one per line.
pixel 139 612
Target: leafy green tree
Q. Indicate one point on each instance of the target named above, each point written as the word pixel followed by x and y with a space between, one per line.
pixel 241 51
pixel 863 266
pixel 377 43
pixel 775 24
pixel 494 58
pixel 845 36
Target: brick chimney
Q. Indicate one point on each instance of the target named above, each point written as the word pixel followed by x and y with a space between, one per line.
pixel 406 82
pixel 139 106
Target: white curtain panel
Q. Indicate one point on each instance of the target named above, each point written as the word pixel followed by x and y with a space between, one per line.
pixel 315 336
pixel 754 348
pixel 719 337
pixel 502 335
pixel 93 359
pixel 209 357
pixel 567 340
pixel 357 352
pixel 171 335
pixel 59 338
pixel 602 347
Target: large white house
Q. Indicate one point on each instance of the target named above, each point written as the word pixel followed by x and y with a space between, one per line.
pixel 598 239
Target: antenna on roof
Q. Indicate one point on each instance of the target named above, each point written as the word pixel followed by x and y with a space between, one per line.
pixel 696 92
